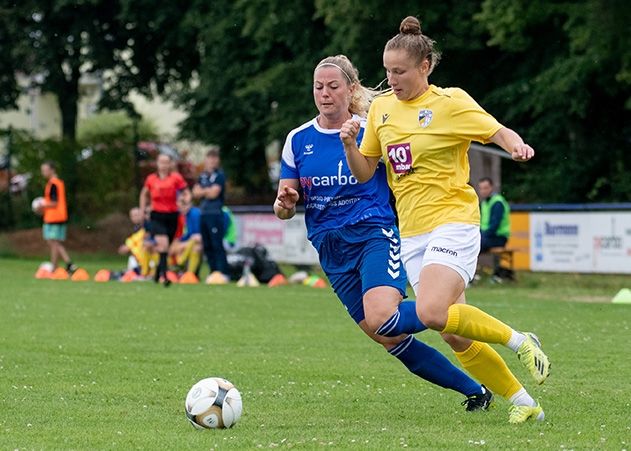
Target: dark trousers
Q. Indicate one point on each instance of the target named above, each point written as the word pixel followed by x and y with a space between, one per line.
pixel 212 226
pixel 487 242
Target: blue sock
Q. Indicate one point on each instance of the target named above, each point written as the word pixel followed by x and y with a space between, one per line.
pixel 404 321
pixel 429 364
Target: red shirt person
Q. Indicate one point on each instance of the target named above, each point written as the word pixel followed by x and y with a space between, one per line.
pixel 162 189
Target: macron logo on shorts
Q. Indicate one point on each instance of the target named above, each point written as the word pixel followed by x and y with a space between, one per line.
pixel 444 250
pixel 394 254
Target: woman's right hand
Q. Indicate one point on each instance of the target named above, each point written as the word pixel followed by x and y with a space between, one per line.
pixel 349 132
pixel 287 198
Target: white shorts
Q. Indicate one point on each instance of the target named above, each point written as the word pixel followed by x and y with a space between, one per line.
pixel 454 245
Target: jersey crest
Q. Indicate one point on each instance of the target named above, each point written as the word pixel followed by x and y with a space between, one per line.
pixel 425 118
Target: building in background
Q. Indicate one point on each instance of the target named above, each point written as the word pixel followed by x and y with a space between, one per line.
pixel 39 114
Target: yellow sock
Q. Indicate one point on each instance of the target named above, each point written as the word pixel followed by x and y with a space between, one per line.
pixel 154 259
pixel 184 256
pixel 143 261
pixel 488 368
pixel 193 261
pixel 471 322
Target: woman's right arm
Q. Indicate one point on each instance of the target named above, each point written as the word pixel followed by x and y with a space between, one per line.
pixel 142 201
pixel 286 199
pixel 361 166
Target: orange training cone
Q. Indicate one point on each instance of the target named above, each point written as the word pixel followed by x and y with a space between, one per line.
pixel 43 273
pixel 60 274
pixel 277 281
pixel 217 278
pixel 80 275
pixel 172 276
pixel 103 275
pixel 314 282
pixel 129 276
pixel 189 278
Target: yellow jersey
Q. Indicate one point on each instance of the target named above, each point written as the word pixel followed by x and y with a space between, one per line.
pixel 424 143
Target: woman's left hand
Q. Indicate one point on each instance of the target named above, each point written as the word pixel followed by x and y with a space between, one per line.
pixel 522 152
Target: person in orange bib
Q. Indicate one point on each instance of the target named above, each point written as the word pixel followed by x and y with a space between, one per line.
pixel 55 213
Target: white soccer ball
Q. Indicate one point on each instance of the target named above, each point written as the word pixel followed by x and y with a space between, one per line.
pixel 37 204
pixel 47 266
pixel 213 403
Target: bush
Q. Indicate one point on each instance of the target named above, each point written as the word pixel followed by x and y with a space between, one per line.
pixel 98 170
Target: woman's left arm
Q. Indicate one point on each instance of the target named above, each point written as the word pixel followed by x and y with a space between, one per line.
pixel 512 143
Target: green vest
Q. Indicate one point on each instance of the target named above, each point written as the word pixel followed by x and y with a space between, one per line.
pixel 485 215
pixel 230 234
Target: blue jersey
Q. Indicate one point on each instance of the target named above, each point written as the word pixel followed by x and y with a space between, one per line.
pixel 192 223
pixel 333 196
pixel 207 179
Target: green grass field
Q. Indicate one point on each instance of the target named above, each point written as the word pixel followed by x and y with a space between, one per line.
pixel 94 366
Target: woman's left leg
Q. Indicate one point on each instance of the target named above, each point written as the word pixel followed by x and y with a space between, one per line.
pixel 438 265
pixel 381 305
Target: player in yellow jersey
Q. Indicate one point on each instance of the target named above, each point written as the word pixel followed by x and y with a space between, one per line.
pixel 423 132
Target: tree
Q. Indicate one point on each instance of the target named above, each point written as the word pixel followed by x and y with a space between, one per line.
pixel 254 80
pixel 567 85
pixel 132 45
pixel 557 72
pixel 9 91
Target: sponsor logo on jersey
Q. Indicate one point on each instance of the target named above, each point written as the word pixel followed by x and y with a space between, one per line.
pixel 444 250
pixel 384 118
pixel 400 157
pixel 328 180
pixel 425 117
pixel 308 149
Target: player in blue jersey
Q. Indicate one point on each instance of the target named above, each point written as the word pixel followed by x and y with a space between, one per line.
pixel 353 229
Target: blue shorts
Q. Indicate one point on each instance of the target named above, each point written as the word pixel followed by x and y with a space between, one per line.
pixel 359 257
pixel 56 232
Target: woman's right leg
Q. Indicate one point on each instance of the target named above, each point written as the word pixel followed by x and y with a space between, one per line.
pixel 162 248
pixel 207 241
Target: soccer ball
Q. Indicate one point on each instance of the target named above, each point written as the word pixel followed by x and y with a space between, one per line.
pixel 47 266
pixel 37 204
pixel 213 403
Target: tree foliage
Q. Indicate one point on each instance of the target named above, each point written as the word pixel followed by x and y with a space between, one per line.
pixel 254 79
pixel 557 72
pixel 131 44
pixel 570 94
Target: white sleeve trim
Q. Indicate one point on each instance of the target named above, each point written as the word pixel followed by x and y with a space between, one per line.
pixel 288 150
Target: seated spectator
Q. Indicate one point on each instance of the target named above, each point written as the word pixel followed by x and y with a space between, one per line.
pixel 494 216
pixel 139 246
pixel 186 249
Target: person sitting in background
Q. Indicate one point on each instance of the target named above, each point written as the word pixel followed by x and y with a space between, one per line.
pixel 138 245
pixel 186 248
pixel 494 216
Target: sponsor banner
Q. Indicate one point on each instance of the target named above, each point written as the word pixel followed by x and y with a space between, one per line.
pixel 519 240
pixel 580 242
pixel 286 241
